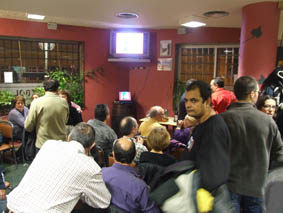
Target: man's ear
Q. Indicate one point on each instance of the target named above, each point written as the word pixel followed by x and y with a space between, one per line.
pixel 208 102
pixel 93 145
pixel 69 138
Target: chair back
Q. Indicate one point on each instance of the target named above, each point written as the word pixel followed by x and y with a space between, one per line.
pixel 6 128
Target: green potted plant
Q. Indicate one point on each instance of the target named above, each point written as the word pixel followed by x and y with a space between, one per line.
pixel 6 101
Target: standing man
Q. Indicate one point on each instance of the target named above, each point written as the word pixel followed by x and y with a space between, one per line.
pixel 129 128
pixel 255 141
pixel 128 192
pixel 155 114
pixel 60 175
pixel 105 136
pixel 209 145
pixel 48 115
pixel 220 98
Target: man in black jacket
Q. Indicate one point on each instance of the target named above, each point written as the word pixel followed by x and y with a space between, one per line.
pixel 255 141
pixel 209 145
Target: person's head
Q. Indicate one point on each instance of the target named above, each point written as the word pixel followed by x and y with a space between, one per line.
pixel 156 112
pixel 197 99
pixel 128 126
pixel 158 138
pixel 66 95
pixel 19 103
pixel 51 85
pixel 124 151
pixel 84 134
pixel 189 121
pixel 266 104
pixel 35 96
pixel 246 89
pixel 101 112
pixel 216 83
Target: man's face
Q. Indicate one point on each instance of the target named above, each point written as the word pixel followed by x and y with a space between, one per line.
pixel 213 86
pixel 194 104
pixel 160 115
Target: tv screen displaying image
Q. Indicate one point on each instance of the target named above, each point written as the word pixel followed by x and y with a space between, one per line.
pixel 125 96
pixel 129 43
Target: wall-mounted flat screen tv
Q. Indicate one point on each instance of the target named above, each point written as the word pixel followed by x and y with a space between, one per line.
pixel 129 44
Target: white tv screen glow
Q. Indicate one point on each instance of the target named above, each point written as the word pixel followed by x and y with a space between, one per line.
pixel 129 43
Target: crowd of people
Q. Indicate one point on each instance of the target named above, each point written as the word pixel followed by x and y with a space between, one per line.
pixel 230 139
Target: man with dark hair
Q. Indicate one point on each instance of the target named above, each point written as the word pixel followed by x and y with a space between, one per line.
pixel 155 115
pixel 129 193
pixel 255 142
pixel 209 145
pixel 60 175
pixel 129 129
pixel 105 136
pixel 48 115
pixel 220 98
pixel 182 106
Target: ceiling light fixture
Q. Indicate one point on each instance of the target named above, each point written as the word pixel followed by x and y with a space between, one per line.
pixel 216 14
pixel 35 16
pixel 193 24
pixel 192 21
pixel 126 15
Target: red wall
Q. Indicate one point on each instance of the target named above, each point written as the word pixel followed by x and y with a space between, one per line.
pixel 150 86
pixel 105 88
pixel 154 87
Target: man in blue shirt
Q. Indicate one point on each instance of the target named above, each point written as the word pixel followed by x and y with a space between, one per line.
pixel 128 192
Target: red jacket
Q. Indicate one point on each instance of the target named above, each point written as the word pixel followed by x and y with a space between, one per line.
pixel 221 99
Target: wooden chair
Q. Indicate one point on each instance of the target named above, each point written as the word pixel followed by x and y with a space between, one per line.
pixel 6 128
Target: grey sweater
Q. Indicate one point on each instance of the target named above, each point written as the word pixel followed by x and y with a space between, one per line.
pixel 255 141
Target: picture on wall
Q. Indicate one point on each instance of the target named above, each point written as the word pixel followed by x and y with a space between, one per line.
pixel 165 48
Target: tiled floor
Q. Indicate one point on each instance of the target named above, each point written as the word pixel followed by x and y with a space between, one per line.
pixel 14 173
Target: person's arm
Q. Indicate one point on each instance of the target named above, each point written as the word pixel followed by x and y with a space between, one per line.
pixel 147 205
pixel 17 118
pixel 2 186
pixel 96 193
pixel 31 119
pixel 276 154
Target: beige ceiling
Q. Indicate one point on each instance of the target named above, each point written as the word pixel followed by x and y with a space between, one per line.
pixel 153 14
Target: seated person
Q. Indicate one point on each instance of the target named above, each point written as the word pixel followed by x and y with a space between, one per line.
pixel 74 116
pixel 18 116
pixel 155 114
pixel 129 129
pixel 128 192
pixel 153 162
pixel 184 129
pixel 105 136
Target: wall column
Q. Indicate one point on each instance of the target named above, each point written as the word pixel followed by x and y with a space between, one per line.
pixel 259 34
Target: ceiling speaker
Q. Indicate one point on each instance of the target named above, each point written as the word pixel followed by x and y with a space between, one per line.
pixel 52 26
pixel 181 30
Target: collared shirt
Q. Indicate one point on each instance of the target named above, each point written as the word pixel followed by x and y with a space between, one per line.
pixel 58 177
pixel 147 126
pixel 104 135
pixel 139 148
pixel 48 115
pixel 128 192
pixel 221 99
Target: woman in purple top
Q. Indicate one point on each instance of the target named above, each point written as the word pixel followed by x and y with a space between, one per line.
pixel 18 116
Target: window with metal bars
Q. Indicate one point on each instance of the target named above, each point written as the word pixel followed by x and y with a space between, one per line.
pixel 30 60
pixel 206 62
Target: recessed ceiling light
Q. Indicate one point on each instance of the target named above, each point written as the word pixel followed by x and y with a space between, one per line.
pixel 127 15
pixel 35 16
pixel 193 24
pixel 216 14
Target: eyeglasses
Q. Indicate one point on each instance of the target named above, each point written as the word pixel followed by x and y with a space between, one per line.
pixel 269 106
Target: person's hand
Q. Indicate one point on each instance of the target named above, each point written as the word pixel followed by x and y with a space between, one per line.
pixel 2 194
pixel 139 139
pixel 180 123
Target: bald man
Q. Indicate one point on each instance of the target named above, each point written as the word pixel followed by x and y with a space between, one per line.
pixel 128 192
pixel 155 114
